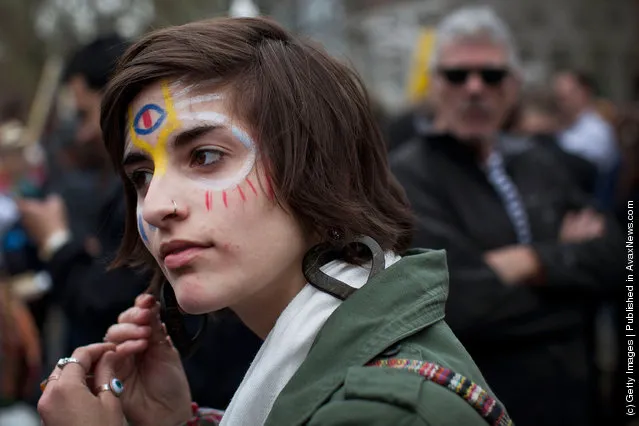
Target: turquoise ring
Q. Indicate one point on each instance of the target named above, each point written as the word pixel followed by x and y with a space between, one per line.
pixel 115 386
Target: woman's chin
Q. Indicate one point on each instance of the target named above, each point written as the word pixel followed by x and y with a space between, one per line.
pixel 193 298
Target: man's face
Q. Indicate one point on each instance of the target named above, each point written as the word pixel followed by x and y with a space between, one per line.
pixel 88 136
pixel 473 88
pixel 571 97
pixel 87 103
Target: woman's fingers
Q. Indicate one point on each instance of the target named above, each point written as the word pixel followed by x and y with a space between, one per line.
pixel 131 347
pixel 119 333
pixel 159 334
pixel 87 357
pixel 136 315
pixel 145 301
pixel 109 387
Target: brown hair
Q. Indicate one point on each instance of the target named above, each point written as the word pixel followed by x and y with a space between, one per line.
pixel 317 136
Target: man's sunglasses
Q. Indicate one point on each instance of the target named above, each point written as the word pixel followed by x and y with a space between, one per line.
pixel 459 76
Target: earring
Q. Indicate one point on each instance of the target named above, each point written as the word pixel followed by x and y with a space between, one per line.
pixel 323 253
pixel 335 234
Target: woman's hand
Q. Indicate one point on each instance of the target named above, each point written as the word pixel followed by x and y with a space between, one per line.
pixel 67 399
pixel 157 391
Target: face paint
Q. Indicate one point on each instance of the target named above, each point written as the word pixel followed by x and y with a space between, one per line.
pixel 250 184
pixel 149 119
pixel 145 238
pixel 182 91
pixel 208 198
pixel 245 153
pixel 186 103
pixel 154 123
pixel 239 189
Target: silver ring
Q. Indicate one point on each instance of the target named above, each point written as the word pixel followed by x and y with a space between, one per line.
pixel 62 362
pixel 45 382
pixel 174 207
pixel 115 386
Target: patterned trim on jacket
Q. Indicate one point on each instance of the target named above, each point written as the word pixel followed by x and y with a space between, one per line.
pixel 488 407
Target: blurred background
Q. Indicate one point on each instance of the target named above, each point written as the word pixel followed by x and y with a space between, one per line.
pixel 384 39
pixel 47 131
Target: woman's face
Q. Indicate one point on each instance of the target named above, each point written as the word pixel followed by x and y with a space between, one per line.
pixel 205 207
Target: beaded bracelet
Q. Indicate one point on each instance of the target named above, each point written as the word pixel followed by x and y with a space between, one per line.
pixel 204 416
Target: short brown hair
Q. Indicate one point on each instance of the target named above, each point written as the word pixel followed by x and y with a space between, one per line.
pixel 317 136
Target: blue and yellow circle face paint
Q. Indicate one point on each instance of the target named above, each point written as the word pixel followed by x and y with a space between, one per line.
pixel 148 119
pixel 151 118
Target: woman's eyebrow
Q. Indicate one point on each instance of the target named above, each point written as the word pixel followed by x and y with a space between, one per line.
pixel 134 158
pixel 182 138
pixel 186 136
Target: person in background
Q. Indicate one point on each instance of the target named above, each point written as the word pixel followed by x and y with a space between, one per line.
pixel 586 133
pixel 416 120
pixel 538 113
pixel 527 257
pixel 538 119
pixel 20 358
pixel 90 296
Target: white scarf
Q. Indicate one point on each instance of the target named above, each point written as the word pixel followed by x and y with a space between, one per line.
pixel 288 344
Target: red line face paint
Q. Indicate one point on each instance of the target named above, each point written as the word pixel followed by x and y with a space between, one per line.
pixel 226 204
pixel 208 201
pixel 239 188
pixel 269 187
pixel 251 185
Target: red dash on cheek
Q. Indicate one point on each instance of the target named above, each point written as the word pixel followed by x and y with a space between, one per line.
pixel 269 187
pixel 226 204
pixel 208 201
pixel 251 185
pixel 239 188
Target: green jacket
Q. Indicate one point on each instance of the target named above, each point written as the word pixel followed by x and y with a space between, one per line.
pixel 398 314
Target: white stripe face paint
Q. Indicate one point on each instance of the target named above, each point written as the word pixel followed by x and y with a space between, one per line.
pixel 143 227
pixel 186 103
pixel 245 154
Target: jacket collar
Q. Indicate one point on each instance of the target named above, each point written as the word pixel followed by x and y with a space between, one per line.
pixel 452 147
pixel 398 302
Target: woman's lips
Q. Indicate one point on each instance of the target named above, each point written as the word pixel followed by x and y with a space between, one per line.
pixel 182 258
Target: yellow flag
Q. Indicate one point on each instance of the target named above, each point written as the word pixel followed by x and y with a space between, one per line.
pixel 418 77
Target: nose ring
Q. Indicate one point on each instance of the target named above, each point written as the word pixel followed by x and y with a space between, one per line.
pixel 174 207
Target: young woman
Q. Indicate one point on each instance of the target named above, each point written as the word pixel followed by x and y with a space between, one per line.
pixel 257 181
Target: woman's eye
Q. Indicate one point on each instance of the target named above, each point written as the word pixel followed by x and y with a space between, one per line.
pixel 206 157
pixel 141 179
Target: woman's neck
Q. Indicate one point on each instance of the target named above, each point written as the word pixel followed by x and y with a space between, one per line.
pixel 261 311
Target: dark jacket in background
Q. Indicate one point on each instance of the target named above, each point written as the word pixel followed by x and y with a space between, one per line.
pixel 92 297
pixel 584 172
pixel 529 342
